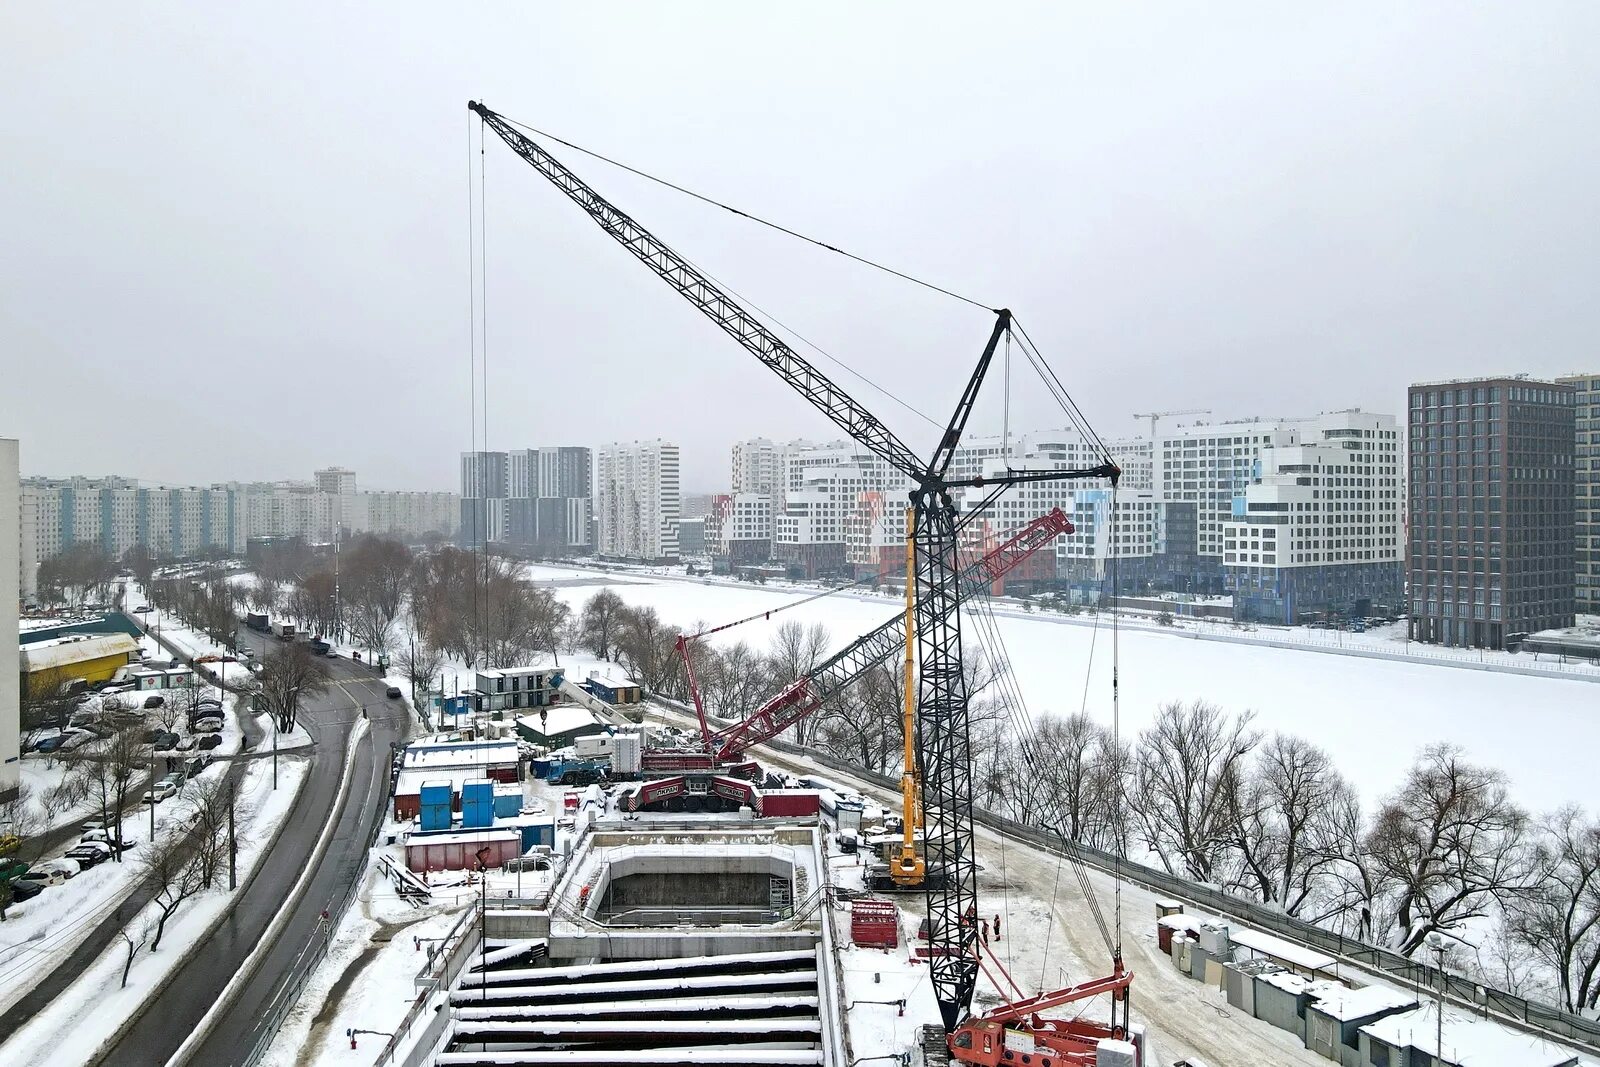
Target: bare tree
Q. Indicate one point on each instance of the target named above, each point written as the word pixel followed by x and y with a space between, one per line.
pixel 796 650
pixel 212 806
pixel 601 621
pixel 289 675
pixel 420 664
pixel 1559 917
pixel 1280 812
pixel 1451 844
pixel 167 866
pixel 107 774
pixel 369 626
pixel 1185 768
pixel 646 647
pixel 42 700
pixel 133 940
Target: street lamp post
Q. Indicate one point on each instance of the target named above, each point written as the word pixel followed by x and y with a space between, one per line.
pixel 1436 943
pixel 483 917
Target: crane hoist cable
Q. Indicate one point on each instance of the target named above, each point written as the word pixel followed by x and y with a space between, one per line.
pixel 1028 742
pixel 647 176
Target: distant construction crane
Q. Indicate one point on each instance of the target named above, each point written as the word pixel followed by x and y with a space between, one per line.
pixel 1157 416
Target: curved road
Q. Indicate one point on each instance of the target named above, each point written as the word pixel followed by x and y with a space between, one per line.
pixel 178 1011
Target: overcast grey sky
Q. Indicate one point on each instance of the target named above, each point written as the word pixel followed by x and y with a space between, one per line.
pixel 236 243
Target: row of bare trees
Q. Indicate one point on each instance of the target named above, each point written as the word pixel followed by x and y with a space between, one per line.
pixel 1207 796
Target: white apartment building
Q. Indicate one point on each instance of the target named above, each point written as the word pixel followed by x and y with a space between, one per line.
pixel 756 466
pixel 1303 515
pixel 116 514
pixel 840 505
pixel 638 500
pixel 10 589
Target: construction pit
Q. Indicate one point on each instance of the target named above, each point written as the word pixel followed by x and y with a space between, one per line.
pixel 667 940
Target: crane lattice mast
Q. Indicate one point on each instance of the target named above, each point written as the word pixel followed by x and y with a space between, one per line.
pixel 944 742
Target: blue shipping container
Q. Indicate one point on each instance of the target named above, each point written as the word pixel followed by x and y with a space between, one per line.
pixel 478 790
pixel 507 805
pixel 436 816
pixel 476 814
pixel 435 793
pixel 538 833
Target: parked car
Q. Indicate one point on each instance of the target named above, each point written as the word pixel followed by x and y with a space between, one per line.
pixel 92 824
pixel 394 692
pixel 247 653
pixel 74 737
pixel 42 877
pixel 209 725
pixel 185 744
pixel 69 868
pixel 48 744
pixel 165 743
pixel 159 792
pixel 154 700
pixel 103 837
pixel 26 889
pixel 208 702
pixel 83 698
pixel 175 779
pixel 141 609
pixel 209 742
pixel 200 763
pixel 89 853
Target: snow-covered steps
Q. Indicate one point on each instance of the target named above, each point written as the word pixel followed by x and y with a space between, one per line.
pixel 753 1007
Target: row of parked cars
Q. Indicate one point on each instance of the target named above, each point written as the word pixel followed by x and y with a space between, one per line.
pixel 95 845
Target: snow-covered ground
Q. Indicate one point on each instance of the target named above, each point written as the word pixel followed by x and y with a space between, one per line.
pixel 91 1011
pixel 1372 715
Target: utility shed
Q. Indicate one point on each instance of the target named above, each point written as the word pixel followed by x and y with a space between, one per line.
pixel 1239 980
pixel 92 658
pixel 1289 956
pixel 1412 1038
pixel 1282 996
pixel 558 725
pixel 1334 1020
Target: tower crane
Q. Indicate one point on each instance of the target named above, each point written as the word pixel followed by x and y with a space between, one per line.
pixel 1157 416
pixel 943 726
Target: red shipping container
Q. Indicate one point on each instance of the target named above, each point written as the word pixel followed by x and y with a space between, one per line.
pixel 790 802
pixel 874 923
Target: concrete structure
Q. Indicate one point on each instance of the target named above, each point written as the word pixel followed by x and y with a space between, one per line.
pixel 11 585
pixel 1586 492
pixel 637 501
pixel 1491 510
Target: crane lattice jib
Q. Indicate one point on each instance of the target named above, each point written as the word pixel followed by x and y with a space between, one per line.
pixel 878 646
pixel 716 305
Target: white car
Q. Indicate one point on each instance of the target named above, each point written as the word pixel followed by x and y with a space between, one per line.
pixel 161 792
pixel 208 725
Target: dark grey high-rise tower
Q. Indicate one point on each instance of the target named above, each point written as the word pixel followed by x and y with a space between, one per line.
pixel 1587 477
pixel 549 502
pixel 1491 509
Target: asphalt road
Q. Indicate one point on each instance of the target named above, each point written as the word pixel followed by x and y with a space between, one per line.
pixel 329 719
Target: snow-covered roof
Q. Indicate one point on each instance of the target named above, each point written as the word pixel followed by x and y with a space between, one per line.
pixel 1470 1042
pixel 614 681
pixel 1279 949
pixel 559 719
pixel 1346 1004
pixel 463 837
pixel 65 652
pixel 1176 922
pixel 463 754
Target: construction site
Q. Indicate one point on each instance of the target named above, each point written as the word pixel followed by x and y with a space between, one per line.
pixel 675 887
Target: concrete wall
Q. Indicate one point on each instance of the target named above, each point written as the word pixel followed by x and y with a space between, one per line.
pixel 569 941
pixel 711 889
pixel 10 581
